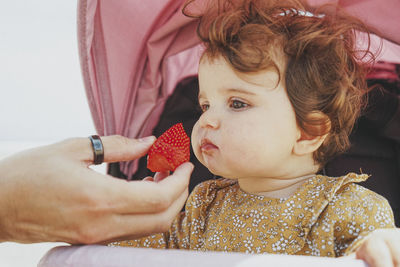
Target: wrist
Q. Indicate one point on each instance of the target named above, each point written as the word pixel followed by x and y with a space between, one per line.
pixel 6 205
pixel 4 220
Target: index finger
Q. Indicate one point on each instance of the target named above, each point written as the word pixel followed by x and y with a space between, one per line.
pixel 116 148
pixel 119 148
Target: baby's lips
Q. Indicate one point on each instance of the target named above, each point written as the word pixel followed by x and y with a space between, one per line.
pixel 207 145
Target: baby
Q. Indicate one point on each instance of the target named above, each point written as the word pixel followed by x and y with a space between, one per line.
pixel 280 90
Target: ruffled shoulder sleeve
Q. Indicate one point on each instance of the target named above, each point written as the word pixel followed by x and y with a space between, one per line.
pixel 356 211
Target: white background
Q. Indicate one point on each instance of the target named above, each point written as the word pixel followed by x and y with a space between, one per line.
pixel 42 99
pixel 42 95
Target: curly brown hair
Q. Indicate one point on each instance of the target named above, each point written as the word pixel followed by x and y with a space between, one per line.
pixel 324 73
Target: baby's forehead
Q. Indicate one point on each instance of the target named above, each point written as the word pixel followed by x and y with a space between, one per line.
pixel 217 73
pixel 267 78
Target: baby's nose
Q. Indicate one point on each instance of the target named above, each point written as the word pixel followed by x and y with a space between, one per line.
pixel 210 119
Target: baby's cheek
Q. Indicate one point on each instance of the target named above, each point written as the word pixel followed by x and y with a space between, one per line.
pixel 251 147
pixel 240 154
pixel 193 137
pixel 195 142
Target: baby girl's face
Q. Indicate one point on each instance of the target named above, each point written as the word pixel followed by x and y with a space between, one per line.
pixel 248 126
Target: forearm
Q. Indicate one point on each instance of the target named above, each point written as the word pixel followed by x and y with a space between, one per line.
pixel 7 203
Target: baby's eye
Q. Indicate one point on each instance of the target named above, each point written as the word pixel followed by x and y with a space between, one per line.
pixel 204 107
pixel 237 104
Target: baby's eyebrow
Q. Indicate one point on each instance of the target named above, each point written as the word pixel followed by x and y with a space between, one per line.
pixel 231 90
pixel 238 90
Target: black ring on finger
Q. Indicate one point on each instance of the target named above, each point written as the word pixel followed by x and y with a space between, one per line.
pixel 98 149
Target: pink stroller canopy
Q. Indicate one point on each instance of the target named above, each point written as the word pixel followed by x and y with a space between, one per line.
pixel 133 53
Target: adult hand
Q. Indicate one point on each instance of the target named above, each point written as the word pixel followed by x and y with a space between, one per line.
pixel 49 194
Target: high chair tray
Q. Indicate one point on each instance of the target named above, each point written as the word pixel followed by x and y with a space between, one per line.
pixel 102 256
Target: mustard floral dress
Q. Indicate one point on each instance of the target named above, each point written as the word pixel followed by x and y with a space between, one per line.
pixel 326 216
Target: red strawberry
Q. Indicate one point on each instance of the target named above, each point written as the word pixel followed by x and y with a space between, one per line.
pixel 170 150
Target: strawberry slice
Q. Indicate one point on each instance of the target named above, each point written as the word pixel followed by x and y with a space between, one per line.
pixel 170 150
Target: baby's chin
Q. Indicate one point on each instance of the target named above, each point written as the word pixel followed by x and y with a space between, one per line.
pixel 213 169
pixel 218 171
pixel 217 168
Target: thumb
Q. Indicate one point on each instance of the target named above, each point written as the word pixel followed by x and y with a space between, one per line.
pixel 119 148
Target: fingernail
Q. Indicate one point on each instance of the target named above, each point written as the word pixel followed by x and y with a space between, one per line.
pixel 190 164
pixel 148 139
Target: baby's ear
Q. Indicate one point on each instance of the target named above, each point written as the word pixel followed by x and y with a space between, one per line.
pixel 318 129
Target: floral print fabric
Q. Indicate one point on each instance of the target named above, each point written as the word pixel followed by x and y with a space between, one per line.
pixel 327 216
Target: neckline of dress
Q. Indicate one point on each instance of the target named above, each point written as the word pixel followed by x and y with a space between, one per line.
pixel 307 178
